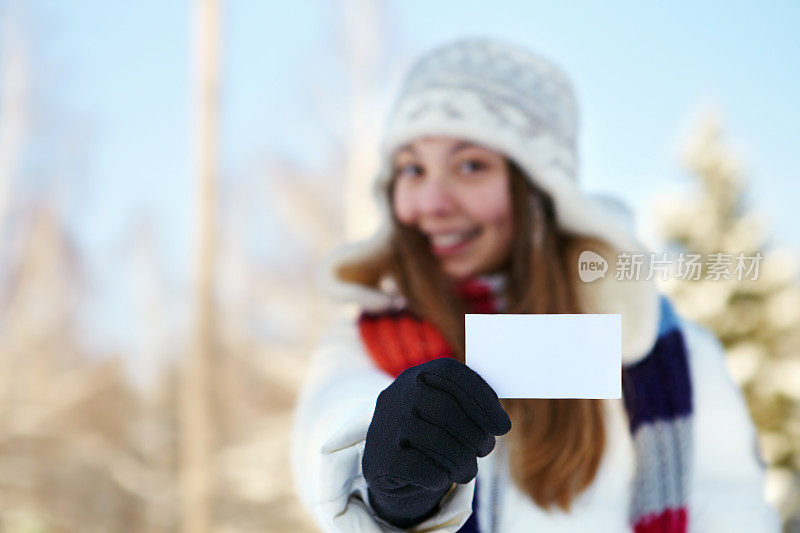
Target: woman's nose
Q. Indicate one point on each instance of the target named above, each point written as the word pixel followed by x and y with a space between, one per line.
pixel 436 198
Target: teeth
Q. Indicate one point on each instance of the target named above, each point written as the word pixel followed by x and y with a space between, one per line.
pixel 450 239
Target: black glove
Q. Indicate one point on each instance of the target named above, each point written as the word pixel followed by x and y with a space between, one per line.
pixel 428 428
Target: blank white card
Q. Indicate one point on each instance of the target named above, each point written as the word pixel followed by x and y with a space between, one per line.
pixel 547 356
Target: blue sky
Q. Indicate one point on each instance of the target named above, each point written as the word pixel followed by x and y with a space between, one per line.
pixel 639 68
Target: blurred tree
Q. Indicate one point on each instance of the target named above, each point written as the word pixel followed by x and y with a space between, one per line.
pixel 756 318
pixel 196 422
pixel 15 108
pixel 363 25
pixel 68 458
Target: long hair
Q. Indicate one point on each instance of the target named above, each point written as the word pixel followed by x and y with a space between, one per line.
pixel 555 444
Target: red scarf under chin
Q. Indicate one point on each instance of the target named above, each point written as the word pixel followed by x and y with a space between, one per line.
pixel 397 339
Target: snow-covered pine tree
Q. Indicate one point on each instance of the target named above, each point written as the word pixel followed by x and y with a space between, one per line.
pixel 757 318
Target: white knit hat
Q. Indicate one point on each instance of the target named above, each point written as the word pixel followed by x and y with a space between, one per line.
pixel 507 99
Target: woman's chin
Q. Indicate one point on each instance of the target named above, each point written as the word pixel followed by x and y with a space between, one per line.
pixel 458 271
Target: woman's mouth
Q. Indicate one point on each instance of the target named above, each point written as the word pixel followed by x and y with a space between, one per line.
pixel 445 244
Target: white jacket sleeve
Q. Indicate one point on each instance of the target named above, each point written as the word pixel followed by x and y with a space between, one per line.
pixel 331 421
pixel 726 491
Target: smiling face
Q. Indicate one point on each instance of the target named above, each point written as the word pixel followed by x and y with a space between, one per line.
pixel 457 195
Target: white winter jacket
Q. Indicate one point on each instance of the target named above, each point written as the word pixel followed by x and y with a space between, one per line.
pixel 338 399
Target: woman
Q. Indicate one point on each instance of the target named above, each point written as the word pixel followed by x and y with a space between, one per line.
pixel 481 213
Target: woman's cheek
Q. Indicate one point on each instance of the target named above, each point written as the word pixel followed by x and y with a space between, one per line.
pixel 492 206
pixel 403 207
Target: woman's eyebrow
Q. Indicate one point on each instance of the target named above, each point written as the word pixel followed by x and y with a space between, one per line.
pixel 462 145
pixel 406 148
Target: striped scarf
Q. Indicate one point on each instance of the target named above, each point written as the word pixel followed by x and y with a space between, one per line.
pixel 656 392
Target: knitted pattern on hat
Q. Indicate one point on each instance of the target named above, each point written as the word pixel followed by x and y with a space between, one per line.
pixel 656 390
pixel 495 93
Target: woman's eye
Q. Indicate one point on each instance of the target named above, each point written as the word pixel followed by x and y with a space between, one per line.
pixel 408 170
pixel 471 166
